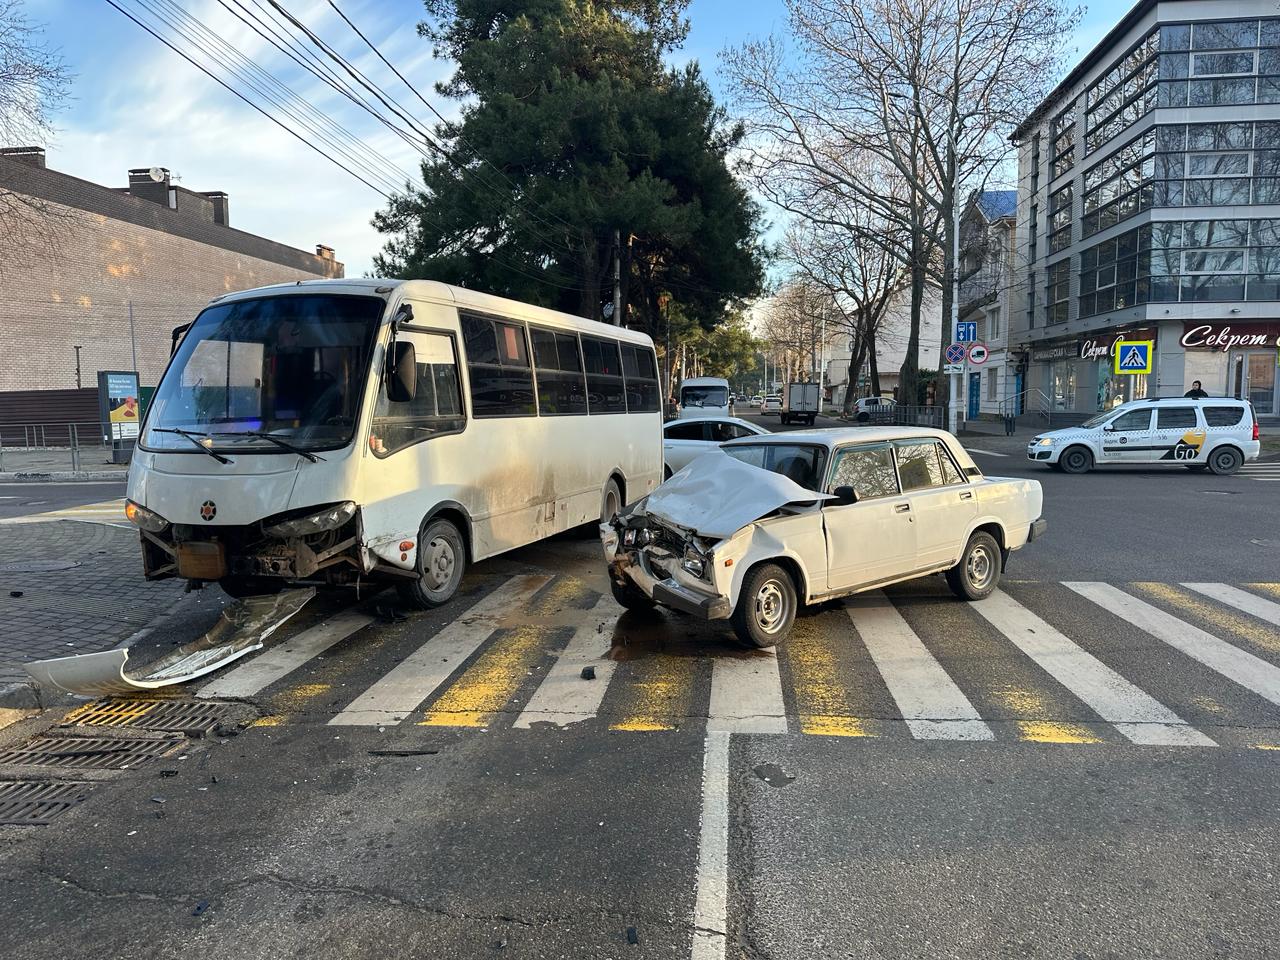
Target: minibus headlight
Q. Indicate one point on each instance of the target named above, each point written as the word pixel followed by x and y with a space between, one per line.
pixel 330 518
pixel 144 519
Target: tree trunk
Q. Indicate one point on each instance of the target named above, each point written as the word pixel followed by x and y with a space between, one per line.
pixel 589 299
pixel 908 374
pixel 855 368
pixel 873 369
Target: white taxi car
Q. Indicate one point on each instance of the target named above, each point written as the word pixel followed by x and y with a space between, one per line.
pixel 770 522
pixel 1218 433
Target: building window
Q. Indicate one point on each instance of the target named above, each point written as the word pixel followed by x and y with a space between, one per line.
pixel 1063 145
pixel 993 377
pixel 993 324
pixel 1115 274
pixel 1219 63
pixel 1123 95
pixel 1119 186
pixel 1035 164
pixel 1031 300
pixel 1058 291
pixel 1060 219
pixel 1033 231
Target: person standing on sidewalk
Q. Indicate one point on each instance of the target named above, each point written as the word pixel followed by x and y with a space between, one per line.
pixel 1196 392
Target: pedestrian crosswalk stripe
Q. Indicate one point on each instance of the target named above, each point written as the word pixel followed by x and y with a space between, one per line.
pixel 1225 620
pixel 1137 715
pixel 1033 720
pixel 932 705
pixel 564 696
pixel 479 695
pixel 419 675
pixel 746 695
pixel 257 674
pixel 825 706
pixel 1267 610
pixel 1235 664
pixel 659 696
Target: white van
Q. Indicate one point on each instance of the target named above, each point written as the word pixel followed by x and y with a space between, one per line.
pixel 1219 433
pixel 705 397
pixel 344 430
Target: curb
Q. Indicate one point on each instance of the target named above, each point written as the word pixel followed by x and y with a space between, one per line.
pixel 64 476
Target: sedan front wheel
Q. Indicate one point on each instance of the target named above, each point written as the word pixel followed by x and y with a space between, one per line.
pixel 766 606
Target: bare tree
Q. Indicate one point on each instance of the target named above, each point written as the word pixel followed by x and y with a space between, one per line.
pixel 794 324
pixel 931 89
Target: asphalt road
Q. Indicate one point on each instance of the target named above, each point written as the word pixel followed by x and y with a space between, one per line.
pixel 28 499
pixel 1055 818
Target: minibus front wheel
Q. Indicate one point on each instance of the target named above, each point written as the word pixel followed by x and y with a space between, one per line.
pixel 442 559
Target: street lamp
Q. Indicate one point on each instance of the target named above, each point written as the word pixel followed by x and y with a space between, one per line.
pixel 77 349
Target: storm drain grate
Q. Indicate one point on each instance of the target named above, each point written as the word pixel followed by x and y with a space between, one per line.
pixel 35 804
pixel 169 716
pixel 89 753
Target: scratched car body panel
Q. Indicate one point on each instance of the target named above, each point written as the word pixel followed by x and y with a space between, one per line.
pixel 833 512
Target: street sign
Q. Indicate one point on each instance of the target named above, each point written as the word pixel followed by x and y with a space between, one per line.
pixel 953 368
pixel 978 353
pixel 955 353
pixel 1134 356
pixel 966 331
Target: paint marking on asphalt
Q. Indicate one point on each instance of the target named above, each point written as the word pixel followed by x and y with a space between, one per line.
pixel 1033 721
pixel 272 665
pixel 824 704
pixel 1136 714
pixel 564 697
pixel 986 453
pixel 392 698
pixel 1235 664
pixel 1271 588
pixel 746 696
pixel 478 697
pixel 711 902
pixel 1267 610
pixel 1224 620
pixel 660 693
pixel 931 703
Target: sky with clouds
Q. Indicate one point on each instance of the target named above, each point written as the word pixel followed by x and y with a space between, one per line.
pixel 134 103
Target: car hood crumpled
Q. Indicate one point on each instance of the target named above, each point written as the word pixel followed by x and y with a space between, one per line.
pixel 716 495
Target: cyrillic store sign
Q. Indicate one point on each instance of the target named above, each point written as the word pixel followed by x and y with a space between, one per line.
pixel 1229 336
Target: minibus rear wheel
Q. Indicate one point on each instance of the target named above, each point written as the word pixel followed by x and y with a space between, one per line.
pixel 442 559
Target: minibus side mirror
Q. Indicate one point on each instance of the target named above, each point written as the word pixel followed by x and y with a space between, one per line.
pixel 402 372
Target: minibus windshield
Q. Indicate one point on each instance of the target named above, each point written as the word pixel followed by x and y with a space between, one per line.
pixel 292 366
pixel 704 396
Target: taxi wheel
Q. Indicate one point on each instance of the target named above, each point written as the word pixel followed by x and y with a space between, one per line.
pixel 1076 460
pixel 629 596
pixel 442 558
pixel 1225 461
pixel 978 572
pixel 766 606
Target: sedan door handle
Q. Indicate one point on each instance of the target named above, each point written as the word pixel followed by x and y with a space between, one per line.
pixel 966 495
pixel 902 508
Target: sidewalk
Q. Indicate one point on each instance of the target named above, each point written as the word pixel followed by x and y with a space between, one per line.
pixel 80 590
pixel 56 465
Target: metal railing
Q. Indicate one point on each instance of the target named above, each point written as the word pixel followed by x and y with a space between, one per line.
pixel 898 414
pixel 42 446
pixel 1030 400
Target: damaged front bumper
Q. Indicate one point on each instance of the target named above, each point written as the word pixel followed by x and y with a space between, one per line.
pixel 651 557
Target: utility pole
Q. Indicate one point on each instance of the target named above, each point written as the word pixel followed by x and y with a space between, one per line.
pixel 617 279
pixel 822 369
pixel 77 349
pixel 133 339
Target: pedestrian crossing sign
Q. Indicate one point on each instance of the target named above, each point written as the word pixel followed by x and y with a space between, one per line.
pixel 1134 356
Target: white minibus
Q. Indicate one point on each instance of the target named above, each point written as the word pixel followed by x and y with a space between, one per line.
pixel 705 397
pixel 343 431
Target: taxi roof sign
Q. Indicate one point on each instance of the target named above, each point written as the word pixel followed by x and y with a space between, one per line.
pixel 1134 356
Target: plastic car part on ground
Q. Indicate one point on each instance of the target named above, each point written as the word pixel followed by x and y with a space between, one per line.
pixel 242 628
pixel 717 495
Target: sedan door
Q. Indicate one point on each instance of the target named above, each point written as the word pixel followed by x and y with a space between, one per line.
pixel 683 441
pixel 942 501
pixel 872 539
pixel 1129 438
pixel 1179 435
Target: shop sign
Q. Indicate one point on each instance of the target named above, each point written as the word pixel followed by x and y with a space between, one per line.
pixel 1055 351
pixel 1103 348
pixel 1226 336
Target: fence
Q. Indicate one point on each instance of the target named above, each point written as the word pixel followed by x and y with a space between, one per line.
pixel 41 446
pixel 1031 401
pixel 897 414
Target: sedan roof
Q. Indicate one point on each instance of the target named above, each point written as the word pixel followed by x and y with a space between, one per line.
pixel 834 436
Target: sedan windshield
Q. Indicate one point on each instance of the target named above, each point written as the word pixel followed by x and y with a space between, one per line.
pixel 290 366
pixel 801 463
pixel 704 396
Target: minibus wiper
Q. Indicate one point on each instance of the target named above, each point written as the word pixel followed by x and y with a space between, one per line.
pixel 194 438
pixel 280 442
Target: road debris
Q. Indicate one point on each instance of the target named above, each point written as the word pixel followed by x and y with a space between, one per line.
pixel 773 775
pixel 588 673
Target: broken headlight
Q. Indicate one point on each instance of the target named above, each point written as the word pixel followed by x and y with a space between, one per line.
pixel 330 518
pixel 144 519
pixel 637 537
pixel 694 562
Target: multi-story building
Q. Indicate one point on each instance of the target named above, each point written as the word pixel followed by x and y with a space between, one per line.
pixel 987 285
pixel 1149 209
pixel 96 278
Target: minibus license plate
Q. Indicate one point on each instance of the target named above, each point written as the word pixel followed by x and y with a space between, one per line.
pixel 202 561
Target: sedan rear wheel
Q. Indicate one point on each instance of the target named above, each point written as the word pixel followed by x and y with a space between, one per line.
pixel 766 606
pixel 1225 461
pixel 977 574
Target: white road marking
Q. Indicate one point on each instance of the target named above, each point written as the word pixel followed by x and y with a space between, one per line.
pixel 711 902
pixel 1235 664
pixel 1132 711
pixel 564 697
pixel 931 703
pixel 411 681
pixel 264 670
pixel 986 453
pixel 746 696
pixel 1251 604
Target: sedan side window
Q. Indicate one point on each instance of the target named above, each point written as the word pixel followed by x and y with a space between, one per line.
pixel 689 430
pixel 1131 421
pixel 918 466
pixel 723 432
pixel 1176 418
pixel 869 470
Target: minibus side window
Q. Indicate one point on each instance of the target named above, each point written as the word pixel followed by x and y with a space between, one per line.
pixel 436 407
pixel 605 390
pixel 498 367
pixel 640 367
pixel 562 388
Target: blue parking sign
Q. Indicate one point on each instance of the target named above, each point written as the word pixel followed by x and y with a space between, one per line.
pixel 966 331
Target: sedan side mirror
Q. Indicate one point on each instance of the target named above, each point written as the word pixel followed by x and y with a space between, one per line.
pixel 402 372
pixel 846 494
pixel 1108 429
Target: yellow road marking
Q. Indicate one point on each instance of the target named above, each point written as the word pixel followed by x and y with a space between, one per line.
pixel 1207 703
pixel 477 697
pixel 1271 588
pixel 660 692
pixel 1266 746
pixel 822 701
pixel 1236 624
pixel 274 720
pixel 1035 726
pixel 564 591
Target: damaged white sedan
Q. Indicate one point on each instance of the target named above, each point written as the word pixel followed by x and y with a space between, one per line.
pixel 767 523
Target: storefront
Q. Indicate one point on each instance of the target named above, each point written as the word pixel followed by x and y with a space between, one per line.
pixel 1235 360
pixel 1078 375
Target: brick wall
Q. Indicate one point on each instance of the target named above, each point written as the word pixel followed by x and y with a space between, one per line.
pixel 69 272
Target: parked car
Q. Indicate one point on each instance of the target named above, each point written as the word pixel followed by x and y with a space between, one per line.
pixel 1215 433
pixel 765 524
pixel 756 400
pixel 685 440
pixel 771 404
pixel 868 408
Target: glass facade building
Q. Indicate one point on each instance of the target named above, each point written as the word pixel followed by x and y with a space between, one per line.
pixel 1149 208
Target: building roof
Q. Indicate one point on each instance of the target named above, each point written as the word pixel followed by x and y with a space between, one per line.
pixel 1104 48
pixel 997 204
